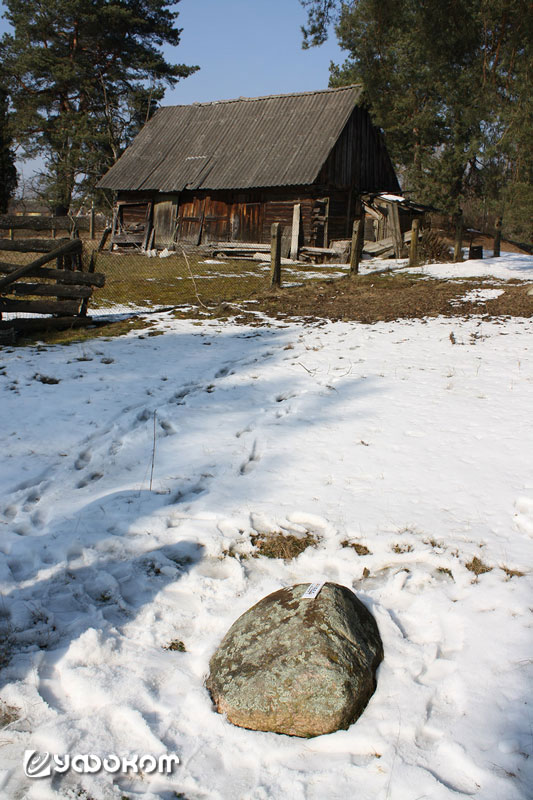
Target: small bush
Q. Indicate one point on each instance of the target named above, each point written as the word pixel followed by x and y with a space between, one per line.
pixel 433 249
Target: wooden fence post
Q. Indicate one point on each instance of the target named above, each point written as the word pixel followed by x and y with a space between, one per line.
pixel 91 222
pixel 357 245
pixel 413 249
pixel 295 237
pixel 396 230
pixel 275 254
pixel 458 248
pixel 497 238
pixel 326 223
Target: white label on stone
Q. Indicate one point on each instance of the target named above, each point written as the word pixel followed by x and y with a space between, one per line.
pixel 312 591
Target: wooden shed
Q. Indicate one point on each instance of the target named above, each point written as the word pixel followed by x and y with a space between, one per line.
pixel 225 171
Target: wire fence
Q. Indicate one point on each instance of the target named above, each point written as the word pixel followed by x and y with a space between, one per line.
pixel 136 282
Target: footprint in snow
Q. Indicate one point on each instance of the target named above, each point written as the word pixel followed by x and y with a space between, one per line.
pixel 83 459
pixel 190 492
pixel 33 497
pixel 251 462
pixel 38 519
pixel 144 415
pixel 114 447
pixel 92 478
pixel 180 395
pixel 49 680
pixel 248 429
pixel 167 427
pixel 280 398
pixel 524 515
pixel 455 769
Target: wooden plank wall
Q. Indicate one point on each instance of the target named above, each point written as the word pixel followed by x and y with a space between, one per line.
pixel 359 158
pixel 239 216
pixel 165 209
pixel 278 210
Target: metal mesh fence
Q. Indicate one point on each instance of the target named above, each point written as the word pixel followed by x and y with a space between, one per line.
pixel 136 282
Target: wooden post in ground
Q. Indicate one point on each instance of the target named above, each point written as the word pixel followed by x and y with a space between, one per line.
pixel 295 236
pixel 497 238
pixel 357 245
pixel 326 223
pixel 396 230
pixel 458 248
pixel 413 249
pixel 91 222
pixel 275 254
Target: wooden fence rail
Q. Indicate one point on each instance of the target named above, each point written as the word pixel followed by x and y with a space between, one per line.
pixel 90 223
pixel 71 247
pixel 15 222
pixel 62 293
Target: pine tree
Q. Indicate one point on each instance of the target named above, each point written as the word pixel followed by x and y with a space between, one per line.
pixel 448 81
pixel 8 172
pixel 84 76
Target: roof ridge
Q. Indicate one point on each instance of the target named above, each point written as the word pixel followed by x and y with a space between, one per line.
pixel 269 96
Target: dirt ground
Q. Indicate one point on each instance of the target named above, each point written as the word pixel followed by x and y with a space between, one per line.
pixel 372 298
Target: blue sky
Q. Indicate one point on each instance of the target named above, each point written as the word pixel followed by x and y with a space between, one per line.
pixel 244 48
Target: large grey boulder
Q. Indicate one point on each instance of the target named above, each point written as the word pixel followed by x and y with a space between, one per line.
pixel 303 667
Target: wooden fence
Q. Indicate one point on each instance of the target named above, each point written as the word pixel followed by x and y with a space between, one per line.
pixel 61 292
pixel 52 225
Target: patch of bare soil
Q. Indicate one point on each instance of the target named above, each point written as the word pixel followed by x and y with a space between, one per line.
pixel 374 298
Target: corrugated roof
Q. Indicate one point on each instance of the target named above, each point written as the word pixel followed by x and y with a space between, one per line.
pixel 279 140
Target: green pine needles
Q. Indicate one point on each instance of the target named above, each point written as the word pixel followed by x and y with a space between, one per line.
pixel 449 82
pixel 83 76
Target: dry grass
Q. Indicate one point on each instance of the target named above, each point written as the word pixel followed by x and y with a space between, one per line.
pixel 136 280
pixel 94 330
pixel 434 249
pixel 225 289
pixel 360 549
pixel 391 296
pixel 402 548
pixel 445 571
pixel 477 566
pixel 281 545
pixel 512 573
pixel 176 645
pixel 8 714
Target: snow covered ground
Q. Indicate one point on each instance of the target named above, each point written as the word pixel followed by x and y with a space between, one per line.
pixel 411 438
pixel 510 266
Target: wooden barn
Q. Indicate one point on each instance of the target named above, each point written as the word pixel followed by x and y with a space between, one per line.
pixel 225 171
